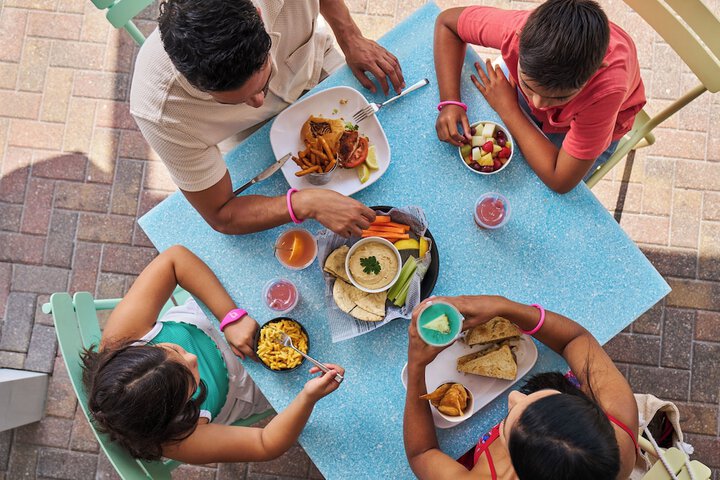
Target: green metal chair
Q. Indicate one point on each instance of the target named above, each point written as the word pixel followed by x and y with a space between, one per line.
pixel 121 12
pixel 77 327
pixel 691 29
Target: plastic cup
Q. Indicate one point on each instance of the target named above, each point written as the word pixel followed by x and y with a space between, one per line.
pixel 492 210
pixel 296 248
pixel 280 295
pixel 430 312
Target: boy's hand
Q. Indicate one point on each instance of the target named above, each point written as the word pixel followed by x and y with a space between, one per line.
pixel 447 122
pixel 325 384
pixel 498 91
pixel 241 337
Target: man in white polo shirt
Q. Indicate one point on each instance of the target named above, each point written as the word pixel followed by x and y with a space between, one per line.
pixel 218 67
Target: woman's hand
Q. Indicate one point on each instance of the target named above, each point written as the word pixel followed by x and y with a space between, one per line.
pixel 499 91
pixel 447 122
pixel 241 337
pixel 324 384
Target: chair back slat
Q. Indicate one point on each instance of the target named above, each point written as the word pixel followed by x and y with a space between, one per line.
pixel 703 60
pixel 701 19
pixel 87 319
pixel 122 11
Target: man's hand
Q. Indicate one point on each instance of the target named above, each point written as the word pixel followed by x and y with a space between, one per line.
pixel 241 337
pixel 447 122
pixel 363 55
pixel 341 214
pixel 499 92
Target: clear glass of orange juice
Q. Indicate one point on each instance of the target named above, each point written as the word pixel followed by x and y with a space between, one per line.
pixel 296 248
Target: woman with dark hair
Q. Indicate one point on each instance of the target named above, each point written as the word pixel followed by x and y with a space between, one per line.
pixel 558 427
pixel 172 387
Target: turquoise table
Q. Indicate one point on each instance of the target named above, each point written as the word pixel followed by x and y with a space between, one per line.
pixel 563 251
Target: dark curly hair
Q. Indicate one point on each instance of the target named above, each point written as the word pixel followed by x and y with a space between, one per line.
pixel 217 45
pixel 138 396
pixel 563 43
pixel 565 436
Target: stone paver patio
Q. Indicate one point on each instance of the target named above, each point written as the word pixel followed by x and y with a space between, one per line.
pixel 76 174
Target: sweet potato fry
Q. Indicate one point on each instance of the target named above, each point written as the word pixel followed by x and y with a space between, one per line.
pixel 314 168
pixel 319 154
pixel 326 148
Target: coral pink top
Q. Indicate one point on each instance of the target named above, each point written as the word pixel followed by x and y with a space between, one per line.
pixel 605 108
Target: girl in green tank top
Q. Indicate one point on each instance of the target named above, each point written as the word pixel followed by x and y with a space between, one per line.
pixel 156 386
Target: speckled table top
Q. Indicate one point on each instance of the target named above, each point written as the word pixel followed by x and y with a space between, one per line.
pixel 565 252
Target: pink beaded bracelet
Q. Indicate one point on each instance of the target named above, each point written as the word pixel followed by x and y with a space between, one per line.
pixel 451 102
pixel 289 206
pixel 539 324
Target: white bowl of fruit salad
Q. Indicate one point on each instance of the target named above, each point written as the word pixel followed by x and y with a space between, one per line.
pixel 490 150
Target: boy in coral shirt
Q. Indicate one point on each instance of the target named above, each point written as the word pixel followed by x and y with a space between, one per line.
pixel 577 73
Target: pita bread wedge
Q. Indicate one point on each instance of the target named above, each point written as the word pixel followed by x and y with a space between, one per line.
pixel 370 302
pixel 496 330
pixel 342 294
pixel 335 263
pixel 364 315
pixel 494 362
pixel 345 296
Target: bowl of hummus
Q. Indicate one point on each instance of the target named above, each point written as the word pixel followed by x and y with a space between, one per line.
pixel 373 264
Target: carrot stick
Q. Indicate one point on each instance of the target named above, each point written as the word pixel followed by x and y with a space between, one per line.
pixel 378 228
pixel 385 235
pixel 381 219
pixel 393 224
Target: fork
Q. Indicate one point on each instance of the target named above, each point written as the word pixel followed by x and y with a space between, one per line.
pixel 286 341
pixel 372 108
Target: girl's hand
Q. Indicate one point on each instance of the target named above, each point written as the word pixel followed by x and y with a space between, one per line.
pixel 447 122
pixel 499 91
pixel 325 384
pixel 241 337
pixel 476 309
pixel 420 354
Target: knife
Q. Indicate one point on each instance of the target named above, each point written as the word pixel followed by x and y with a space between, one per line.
pixel 264 174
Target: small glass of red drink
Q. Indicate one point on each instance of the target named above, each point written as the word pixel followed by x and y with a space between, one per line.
pixel 492 210
pixel 280 295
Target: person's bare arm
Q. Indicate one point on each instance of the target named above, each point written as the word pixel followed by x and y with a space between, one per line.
pixel 137 312
pixel 449 53
pixel 421 446
pixel 211 443
pixel 232 215
pixel 362 54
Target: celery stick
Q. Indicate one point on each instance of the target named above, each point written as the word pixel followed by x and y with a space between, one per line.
pixel 405 275
pixel 402 295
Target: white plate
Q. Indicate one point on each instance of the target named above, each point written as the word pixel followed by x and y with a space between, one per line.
pixel 285 137
pixel 443 369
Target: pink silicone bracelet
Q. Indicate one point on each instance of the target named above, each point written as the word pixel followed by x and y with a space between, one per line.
pixel 451 102
pixel 232 316
pixel 289 206
pixel 539 324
